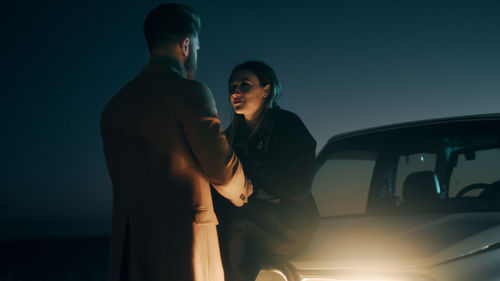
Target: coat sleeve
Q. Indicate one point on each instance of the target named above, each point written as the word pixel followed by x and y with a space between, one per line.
pixel 198 117
pixel 289 174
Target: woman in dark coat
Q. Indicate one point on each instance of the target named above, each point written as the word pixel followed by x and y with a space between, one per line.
pixel 278 153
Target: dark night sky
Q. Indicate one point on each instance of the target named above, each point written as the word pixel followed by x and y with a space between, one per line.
pixel 344 65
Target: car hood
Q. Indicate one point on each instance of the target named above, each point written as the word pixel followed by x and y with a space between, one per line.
pixel 398 241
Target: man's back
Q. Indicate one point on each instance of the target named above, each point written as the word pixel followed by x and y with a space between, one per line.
pixel 142 138
pixel 163 146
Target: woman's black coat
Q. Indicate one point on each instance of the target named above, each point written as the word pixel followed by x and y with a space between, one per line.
pixel 279 160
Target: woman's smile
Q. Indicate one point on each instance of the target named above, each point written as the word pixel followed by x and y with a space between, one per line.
pixel 237 101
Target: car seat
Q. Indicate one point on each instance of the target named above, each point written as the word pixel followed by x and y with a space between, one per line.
pixel 421 189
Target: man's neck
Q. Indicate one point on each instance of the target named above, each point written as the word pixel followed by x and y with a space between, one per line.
pixel 169 60
pixel 168 53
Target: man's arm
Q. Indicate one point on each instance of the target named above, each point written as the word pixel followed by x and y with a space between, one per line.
pixel 201 125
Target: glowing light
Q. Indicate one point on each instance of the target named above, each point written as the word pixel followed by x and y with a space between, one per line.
pixel 336 279
pixel 436 182
pixel 271 275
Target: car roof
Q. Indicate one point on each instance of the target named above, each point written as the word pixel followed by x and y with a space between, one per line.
pixel 419 123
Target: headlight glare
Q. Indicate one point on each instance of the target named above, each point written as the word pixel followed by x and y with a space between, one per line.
pixel 271 275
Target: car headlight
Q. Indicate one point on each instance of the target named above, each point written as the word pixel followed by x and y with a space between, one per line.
pixel 360 276
pixel 278 275
pixel 271 275
pixel 274 274
pixel 355 279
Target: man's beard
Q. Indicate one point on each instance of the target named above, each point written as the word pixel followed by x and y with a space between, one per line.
pixel 191 63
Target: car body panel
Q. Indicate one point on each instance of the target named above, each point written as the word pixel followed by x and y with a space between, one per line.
pixel 452 243
pixel 398 241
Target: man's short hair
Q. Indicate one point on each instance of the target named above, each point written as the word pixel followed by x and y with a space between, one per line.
pixel 170 23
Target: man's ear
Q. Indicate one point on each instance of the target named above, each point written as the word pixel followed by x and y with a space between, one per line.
pixel 185 47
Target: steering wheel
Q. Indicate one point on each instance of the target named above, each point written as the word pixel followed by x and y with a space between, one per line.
pixel 473 186
pixel 492 193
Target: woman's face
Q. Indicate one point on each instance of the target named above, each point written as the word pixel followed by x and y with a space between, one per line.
pixel 246 94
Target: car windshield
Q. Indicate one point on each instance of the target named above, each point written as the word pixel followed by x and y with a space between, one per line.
pixel 433 168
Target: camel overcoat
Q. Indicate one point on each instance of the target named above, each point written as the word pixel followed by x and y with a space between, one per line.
pixel 164 148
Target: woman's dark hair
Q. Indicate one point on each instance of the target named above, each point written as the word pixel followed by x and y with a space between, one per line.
pixel 169 23
pixel 266 76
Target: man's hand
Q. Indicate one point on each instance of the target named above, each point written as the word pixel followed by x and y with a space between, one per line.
pixel 238 191
pixel 248 190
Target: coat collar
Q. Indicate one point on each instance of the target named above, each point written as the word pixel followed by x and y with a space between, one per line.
pixel 174 64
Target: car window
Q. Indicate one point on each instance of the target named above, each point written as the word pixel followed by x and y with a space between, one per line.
pixel 341 186
pixel 482 166
pixel 437 168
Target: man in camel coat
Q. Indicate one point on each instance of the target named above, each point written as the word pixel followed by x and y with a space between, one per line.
pixel 164 148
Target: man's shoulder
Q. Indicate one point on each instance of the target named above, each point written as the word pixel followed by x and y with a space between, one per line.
pixel 194 87
pixel 194 95
pixel 195 91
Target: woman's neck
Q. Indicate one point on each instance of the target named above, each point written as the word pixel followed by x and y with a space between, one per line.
pixel 253 121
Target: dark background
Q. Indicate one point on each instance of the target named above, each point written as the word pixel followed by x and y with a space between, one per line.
pixel 344 65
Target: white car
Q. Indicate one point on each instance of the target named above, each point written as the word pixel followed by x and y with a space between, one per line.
pixel 407 202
